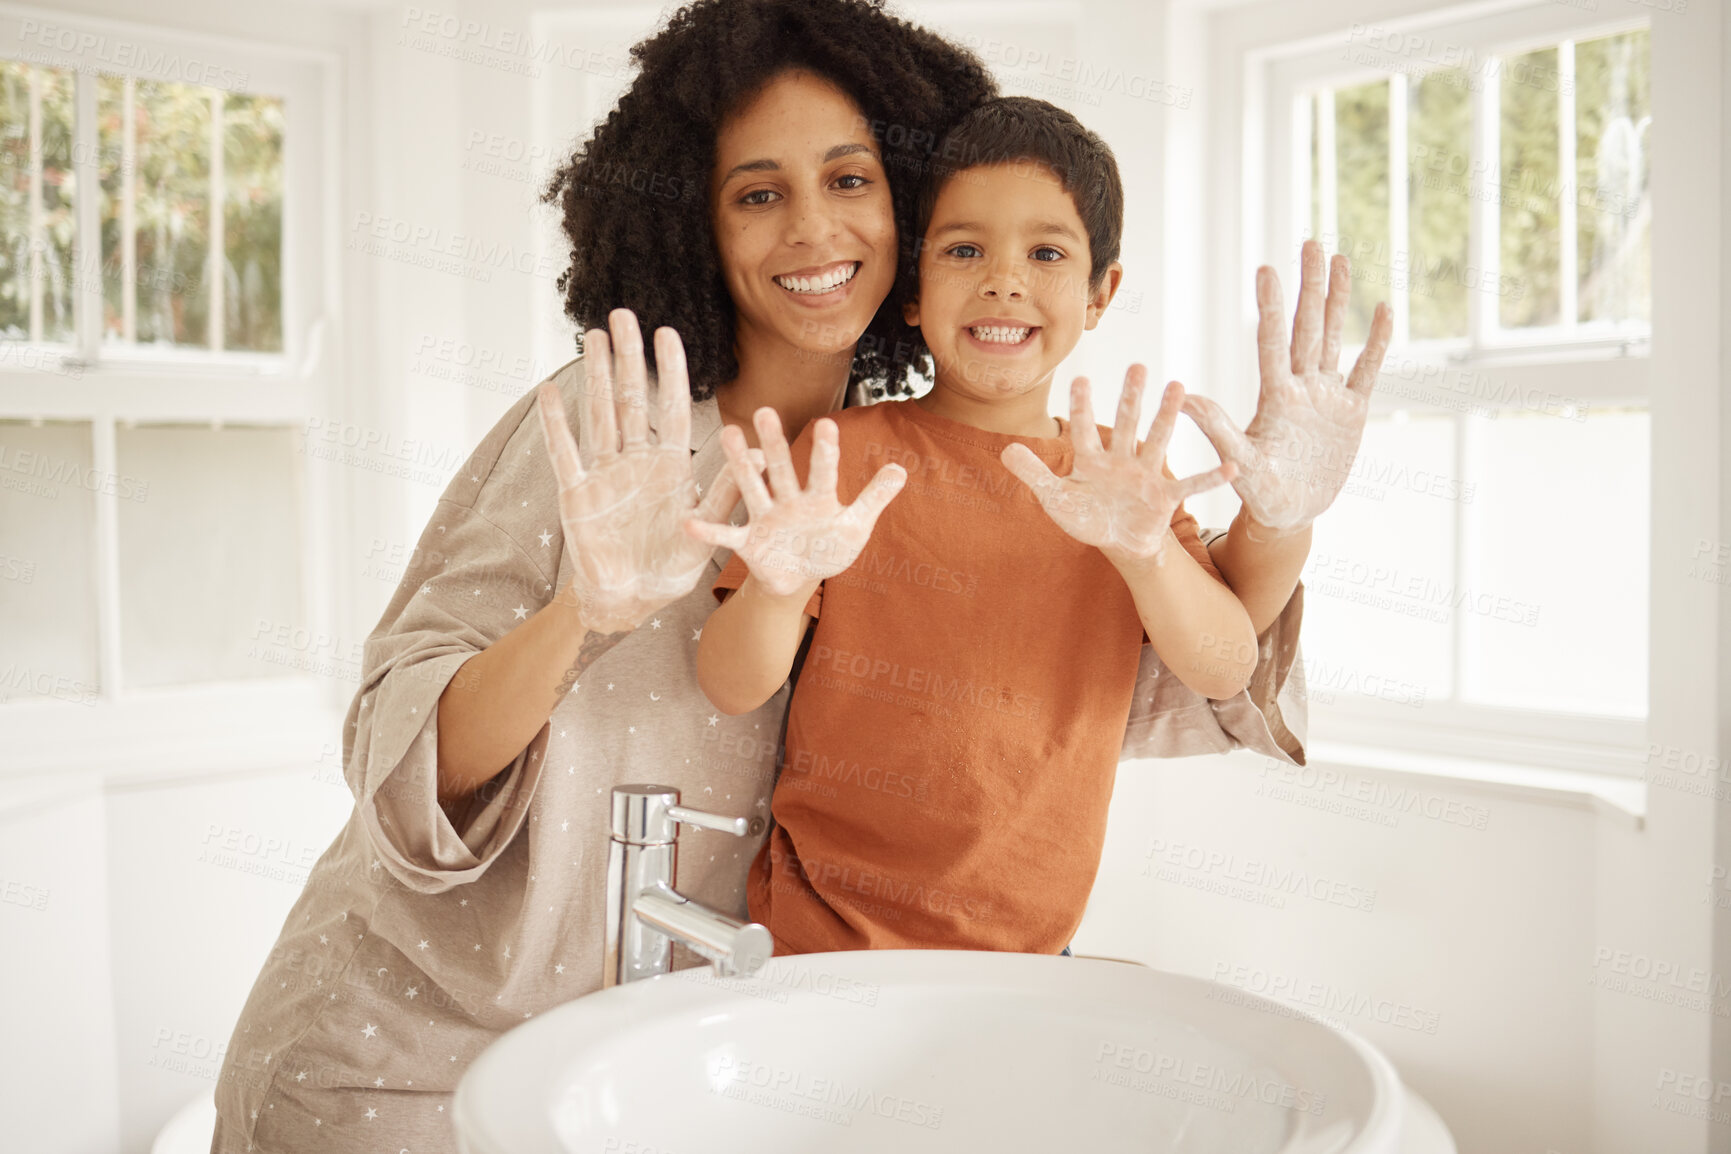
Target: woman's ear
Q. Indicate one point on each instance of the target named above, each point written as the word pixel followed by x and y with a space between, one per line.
pixel 911 313
pixel 1100 295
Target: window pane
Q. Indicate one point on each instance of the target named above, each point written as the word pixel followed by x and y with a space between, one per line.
pixel 36 215
pixel 212 553
pixel 1529 207
pixel 1315 171
pixel 1613 115
pixel 48 639
pixel 1557 613
pixel 252 214
pixel 1439 176
pixel 166 191
pixel 1361 168
pixel 1372 626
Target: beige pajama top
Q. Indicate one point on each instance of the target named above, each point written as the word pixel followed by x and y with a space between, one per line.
pixel 418 941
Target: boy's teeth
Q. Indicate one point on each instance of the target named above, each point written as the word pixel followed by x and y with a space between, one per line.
pixel 818 284
pixel 998 334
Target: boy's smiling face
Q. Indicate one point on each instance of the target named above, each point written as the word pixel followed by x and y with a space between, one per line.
pixel 1004 293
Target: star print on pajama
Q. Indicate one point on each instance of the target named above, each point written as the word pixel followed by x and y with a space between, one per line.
pixel 421 936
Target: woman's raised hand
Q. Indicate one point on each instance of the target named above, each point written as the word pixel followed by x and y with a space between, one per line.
pixel 623 514
pixel 798 536
pixel 1298 450
pixel 1119 500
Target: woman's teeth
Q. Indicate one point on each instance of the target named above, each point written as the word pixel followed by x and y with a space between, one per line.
pixel 828 282
pixel 997 335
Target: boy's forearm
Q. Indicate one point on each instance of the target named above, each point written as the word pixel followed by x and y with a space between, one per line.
pixel 1197 625
pixel 748 645
pixel 1262 569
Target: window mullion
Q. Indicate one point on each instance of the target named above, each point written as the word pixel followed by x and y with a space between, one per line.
pixel 129 211
pixel 1327 175
pixel 38 234
pixel 218 315
pixel 1568 250
pixel 1483 215
pixel 105 459
pixel 87 236
pixel 1399 288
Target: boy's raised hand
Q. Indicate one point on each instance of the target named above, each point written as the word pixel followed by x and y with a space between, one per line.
pixel 1296 453
pixel 798 536
pixel 1119 499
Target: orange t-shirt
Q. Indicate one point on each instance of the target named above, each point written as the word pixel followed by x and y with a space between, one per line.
pixel 953 736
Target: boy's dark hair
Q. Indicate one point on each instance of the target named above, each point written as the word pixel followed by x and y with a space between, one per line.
pixel 634 197
pixel 1021 128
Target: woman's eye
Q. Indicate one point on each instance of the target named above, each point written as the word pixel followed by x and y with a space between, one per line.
pixel 757 196
pixel 860 181
pixel 1047 254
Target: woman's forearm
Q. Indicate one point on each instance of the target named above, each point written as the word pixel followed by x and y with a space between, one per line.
pixel 1260 567
pixel 501 697
pixel 748 645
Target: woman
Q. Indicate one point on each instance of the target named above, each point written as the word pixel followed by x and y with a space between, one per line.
pixel 752 190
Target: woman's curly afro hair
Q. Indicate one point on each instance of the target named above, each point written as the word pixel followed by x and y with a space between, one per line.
pixel 635 195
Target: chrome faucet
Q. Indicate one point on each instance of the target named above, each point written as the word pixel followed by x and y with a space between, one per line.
pixel 645 914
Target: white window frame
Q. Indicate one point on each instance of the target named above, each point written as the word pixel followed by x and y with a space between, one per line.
pixel 1594 367
pixel 239 724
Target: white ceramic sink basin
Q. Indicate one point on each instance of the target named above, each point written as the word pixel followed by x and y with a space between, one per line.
pixel 924 1050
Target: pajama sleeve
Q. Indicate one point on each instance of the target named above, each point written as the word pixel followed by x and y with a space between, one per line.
pixel 487 559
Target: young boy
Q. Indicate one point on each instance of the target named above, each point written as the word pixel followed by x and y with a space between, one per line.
pixel 953 736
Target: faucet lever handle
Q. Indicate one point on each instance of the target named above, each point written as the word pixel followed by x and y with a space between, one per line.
pixel 736 826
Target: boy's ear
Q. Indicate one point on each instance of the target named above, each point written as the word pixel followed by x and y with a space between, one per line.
pixel 911 313
pixel 1100 296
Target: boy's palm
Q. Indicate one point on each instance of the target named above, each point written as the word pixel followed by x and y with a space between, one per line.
pixel 1119 499
pixel 798 536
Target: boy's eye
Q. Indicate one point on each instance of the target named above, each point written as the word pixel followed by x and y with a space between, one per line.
pixel 1047 254
pixel 965 251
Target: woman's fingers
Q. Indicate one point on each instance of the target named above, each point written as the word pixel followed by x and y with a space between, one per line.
pixel 561 446
pixel 598 393
pixel 1129 411
pixel 783 481
pixel 1334 313
pixel 1307 323
pixel 673 391
pixel 633 377
pixel 1202 482
pixel 1369 363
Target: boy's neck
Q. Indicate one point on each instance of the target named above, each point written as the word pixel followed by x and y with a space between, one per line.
pixel 1022 415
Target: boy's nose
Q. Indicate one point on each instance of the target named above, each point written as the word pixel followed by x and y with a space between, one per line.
pixel 1001 284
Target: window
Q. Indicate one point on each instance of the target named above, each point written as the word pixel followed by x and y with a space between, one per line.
pixel 1481 585
pixel 162 257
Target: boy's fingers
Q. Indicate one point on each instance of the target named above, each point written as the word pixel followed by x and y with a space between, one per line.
pixel 710 533
pixel 825 456
pixel 561 446
pixel 1083 434
pixel 1165 419
pixel 598 392
pixel 878 493
pixel 1202 482
pixel 1228 440
pixel 784 482
pixel 1030 470
pixel 1129 411
pixel 723 494
pixel 1272 355
pixel 1334 313
pixel 1307 325
pixel 1369 364
pixel 739 461
pixel 673 390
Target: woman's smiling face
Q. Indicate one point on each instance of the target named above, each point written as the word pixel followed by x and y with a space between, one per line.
pixel 803 218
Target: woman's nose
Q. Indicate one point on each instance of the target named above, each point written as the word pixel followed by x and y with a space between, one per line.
pixel 813 221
